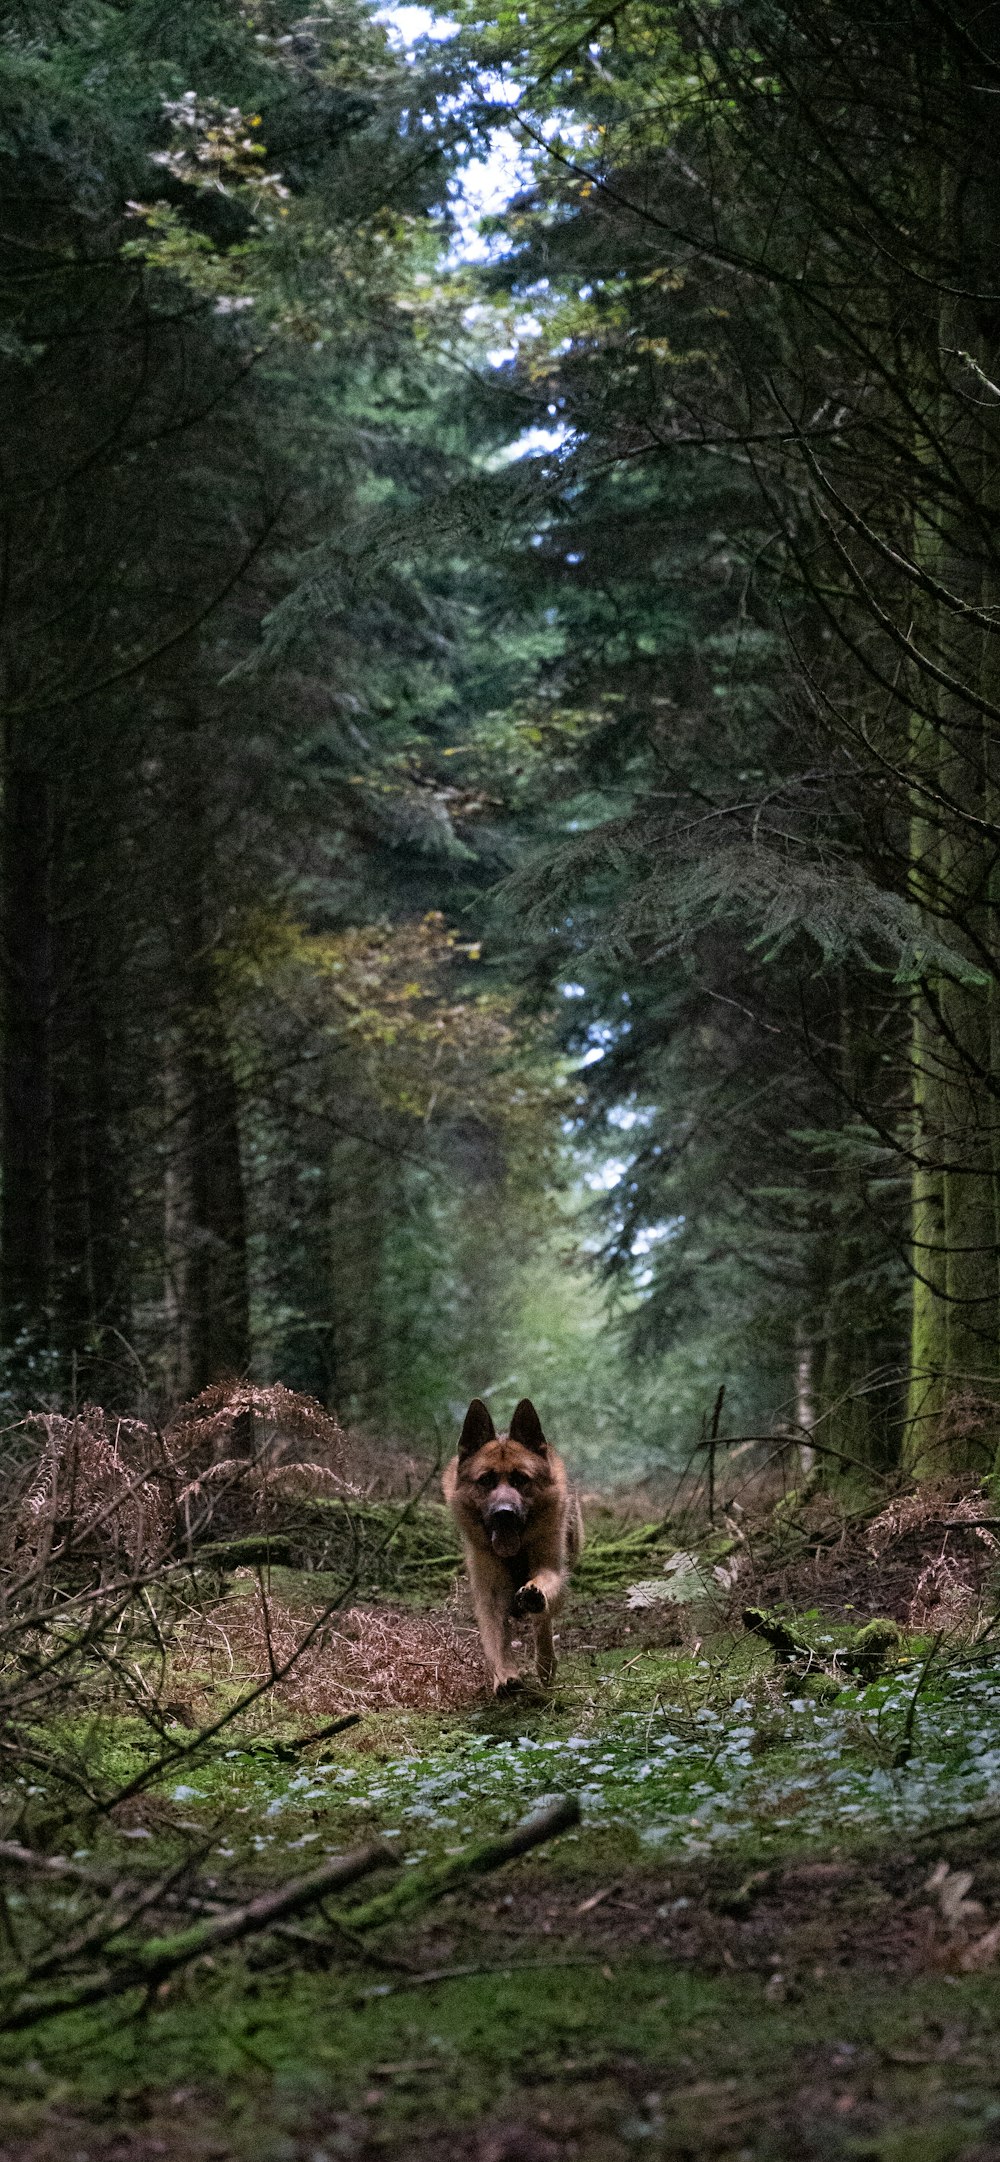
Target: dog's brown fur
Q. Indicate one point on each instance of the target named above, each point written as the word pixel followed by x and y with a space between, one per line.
pixel 521 1531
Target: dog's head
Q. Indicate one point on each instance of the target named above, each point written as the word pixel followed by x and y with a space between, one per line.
pixel 503 1474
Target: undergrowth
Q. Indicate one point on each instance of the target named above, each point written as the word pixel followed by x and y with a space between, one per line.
pixel 813 1688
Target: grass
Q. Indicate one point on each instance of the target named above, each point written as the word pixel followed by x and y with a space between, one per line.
pixel 667 1980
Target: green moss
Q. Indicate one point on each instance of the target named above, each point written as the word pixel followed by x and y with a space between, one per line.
pixel 463 2050
pixel 652 1743
pixel 876 1646
pixel 612 1559
pixel 410 1548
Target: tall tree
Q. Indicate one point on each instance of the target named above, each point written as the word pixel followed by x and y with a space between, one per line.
pixel 785 214
pixel 170 298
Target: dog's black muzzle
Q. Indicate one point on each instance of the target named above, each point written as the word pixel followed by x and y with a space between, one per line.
pixel 504 1523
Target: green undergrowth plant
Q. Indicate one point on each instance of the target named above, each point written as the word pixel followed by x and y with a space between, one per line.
pixel 678 1753
pixel 408 1549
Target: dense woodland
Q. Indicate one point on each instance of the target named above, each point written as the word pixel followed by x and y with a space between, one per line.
pixel 499 898
pixel 472 720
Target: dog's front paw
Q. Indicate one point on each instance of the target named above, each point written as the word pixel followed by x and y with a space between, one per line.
pixel 510 1687
pixel 529 1600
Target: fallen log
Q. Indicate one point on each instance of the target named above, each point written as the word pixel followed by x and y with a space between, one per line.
pixel 152 1961
pixel 145 1966
pixel 420 1886
pixel 782 1640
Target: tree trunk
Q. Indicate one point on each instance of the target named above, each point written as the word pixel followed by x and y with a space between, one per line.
pixel 955 1353
pixel 26 1244
pixel 208 1193
pixel 859 1389
pixel 217 1288
pixel 359 1182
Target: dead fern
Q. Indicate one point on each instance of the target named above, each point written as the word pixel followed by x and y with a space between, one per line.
pixel 951 1505
pixel 945 1598
pixel 363 1659
pixel 94 1485
pixel 116 1488
pixel 273 1418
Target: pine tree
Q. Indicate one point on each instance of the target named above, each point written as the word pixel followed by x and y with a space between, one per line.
pixel 745 255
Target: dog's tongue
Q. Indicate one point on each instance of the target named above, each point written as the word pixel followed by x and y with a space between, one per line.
pixel 505 1539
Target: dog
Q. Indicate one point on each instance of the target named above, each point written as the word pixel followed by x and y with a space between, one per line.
pixel 521 1531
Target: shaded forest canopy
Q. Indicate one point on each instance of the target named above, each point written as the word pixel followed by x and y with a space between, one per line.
pixel 501 743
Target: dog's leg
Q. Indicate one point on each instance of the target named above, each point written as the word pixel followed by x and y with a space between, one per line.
pixel 545 1651
pixel 540 1597
pixel 492 1605
pixel 542 1592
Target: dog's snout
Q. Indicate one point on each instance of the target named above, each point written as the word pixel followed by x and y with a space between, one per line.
pixel 506 1506
pixel 505 1520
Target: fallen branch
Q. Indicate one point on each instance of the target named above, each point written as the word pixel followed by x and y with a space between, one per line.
pixel 108 1882
pixel 146 1966
pixel 152 1961
pixel 126 1907
pixel 285 1751
pixel 421 1886
pixel 56 1865
pixel 782 1640
pixel 130 1966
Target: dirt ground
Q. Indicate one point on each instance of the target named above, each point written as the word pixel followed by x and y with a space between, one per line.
pixel 590 2003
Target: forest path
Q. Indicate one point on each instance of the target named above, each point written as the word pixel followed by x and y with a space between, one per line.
pixel 705 1969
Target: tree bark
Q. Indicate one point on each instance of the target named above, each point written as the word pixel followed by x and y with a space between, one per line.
pixel 26 1242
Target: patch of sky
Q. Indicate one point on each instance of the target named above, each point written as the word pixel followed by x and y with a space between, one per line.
pixel 653 1234
pixel 532 443
pixel 487 181
pixel 625 1117
pixel 407 25
pixel 607 1175
pixel 499 165
pixel 600 1037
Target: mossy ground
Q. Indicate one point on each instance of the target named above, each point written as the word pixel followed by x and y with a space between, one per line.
pixel 736 1956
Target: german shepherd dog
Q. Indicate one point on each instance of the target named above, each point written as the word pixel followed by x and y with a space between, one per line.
pixel 521 1530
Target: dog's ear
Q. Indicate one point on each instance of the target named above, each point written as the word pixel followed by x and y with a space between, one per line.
pixel 526 1427
pixel 478 1429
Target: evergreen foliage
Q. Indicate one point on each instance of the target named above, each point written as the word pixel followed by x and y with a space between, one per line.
pixel 212 296
pixel 479 731
pixel 743 251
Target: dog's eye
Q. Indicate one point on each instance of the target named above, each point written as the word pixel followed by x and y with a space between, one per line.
pixel 520 1479
pixel 487 1478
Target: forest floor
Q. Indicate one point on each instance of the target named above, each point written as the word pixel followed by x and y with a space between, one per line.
pixel 771 1935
